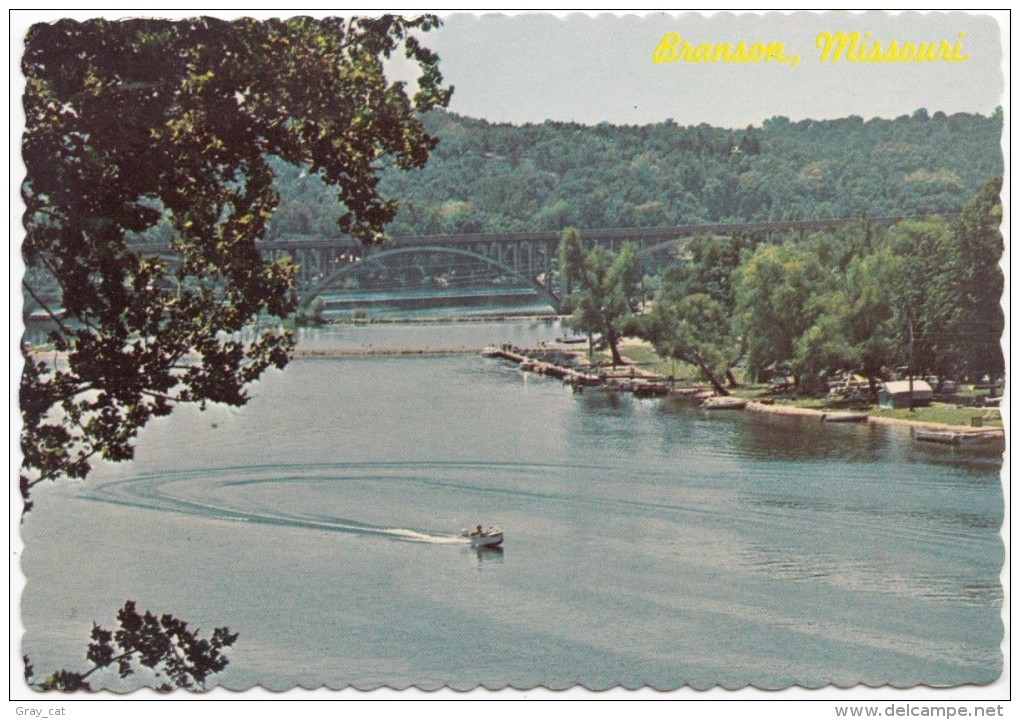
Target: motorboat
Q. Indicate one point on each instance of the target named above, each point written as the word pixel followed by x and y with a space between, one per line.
pixel 951 437
pixel 724 403
pixel 844 417
pixel 483 536
pixel 650 390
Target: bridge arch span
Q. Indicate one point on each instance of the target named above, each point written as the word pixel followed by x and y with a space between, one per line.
pixel 308 295
pixel 679 243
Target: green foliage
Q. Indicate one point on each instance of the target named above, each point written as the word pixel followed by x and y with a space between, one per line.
pixel 694 329
pixel 490 177
pixel 176 656
pixel 709 268
pixel 151 129
pixel 971 290
pixel 606 288
pixel 774 288
pixel 924 294
pixel 571 258
pixel 313 315
pixel 917 253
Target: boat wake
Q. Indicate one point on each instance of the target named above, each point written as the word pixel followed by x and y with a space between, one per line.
pixel 291 496
pixel 415 536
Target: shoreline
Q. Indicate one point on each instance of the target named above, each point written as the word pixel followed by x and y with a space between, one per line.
pixel 381 351
pixel 754 406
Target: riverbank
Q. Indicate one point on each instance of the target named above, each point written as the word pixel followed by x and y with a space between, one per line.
pixel 774 409
pixel 640 353
pixel 649 383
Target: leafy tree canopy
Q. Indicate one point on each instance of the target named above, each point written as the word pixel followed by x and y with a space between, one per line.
pixel 605 288
pixel 150 126
pixel 922 296
pixel 177 656
pixel 773 289
pixel 972 289
pixel 695 329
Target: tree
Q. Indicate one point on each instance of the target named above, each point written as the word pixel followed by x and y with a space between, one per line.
pixel 607 289
pixel 571 256
pixel 693 329
pixel 969 291
pixel 919 251
pixel 709 267
pixel 773 288
pixel 164 645
pixel 314 315
pixel 149 126
pixel 856 322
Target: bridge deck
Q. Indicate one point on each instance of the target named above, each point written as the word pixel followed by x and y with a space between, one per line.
pixel 640 235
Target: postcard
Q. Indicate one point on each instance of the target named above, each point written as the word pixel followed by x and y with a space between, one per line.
pixel 528 352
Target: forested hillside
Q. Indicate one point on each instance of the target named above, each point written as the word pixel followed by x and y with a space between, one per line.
pixel 487 177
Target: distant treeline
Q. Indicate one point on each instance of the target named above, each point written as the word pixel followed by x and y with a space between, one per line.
pixel 493 177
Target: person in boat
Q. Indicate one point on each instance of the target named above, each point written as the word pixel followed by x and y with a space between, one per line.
pixel 478 530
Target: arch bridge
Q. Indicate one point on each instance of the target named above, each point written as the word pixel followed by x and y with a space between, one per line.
pixel 527 259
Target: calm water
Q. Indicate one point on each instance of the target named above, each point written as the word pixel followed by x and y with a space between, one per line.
pixel 648 543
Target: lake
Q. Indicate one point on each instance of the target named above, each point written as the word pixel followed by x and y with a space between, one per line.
pixel 648 542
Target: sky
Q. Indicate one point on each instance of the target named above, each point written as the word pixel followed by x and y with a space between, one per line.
pixel 599 68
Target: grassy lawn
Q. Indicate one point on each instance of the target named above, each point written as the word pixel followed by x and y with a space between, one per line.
pixel 943 413
pixel 647 360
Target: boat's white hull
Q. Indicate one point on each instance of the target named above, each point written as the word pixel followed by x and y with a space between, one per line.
pixel 488 537
pixel 845 417
pixel 487 540
pixel 724 403
pixel 948 437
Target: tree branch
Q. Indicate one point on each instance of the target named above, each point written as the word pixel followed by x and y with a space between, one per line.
pixel 83 320
pixel 53 316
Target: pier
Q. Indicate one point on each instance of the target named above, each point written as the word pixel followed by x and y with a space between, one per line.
pixel 564 365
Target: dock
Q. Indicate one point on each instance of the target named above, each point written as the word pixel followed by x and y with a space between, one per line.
pixel 545 361
pixel 562 364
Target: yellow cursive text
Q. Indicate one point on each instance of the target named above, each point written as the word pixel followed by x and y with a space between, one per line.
pixel 673 49
pixel 859 47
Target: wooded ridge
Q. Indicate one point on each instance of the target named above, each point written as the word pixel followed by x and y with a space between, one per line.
pixel 497 177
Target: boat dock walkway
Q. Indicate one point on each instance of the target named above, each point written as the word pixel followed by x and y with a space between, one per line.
pixel 563 364
pixel 545 361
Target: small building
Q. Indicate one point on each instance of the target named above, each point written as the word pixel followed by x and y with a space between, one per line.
pixel 896 394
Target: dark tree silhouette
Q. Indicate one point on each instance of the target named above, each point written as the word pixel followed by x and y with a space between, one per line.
pixel 176 656
pixel 153 129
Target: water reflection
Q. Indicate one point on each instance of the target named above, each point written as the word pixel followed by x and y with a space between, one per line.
pixel 492 555
pixel 783 437
pixel 604 401
pixel 876 574
pixel 984 457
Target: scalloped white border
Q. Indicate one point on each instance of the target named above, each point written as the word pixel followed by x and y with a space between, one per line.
pixel 794 702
